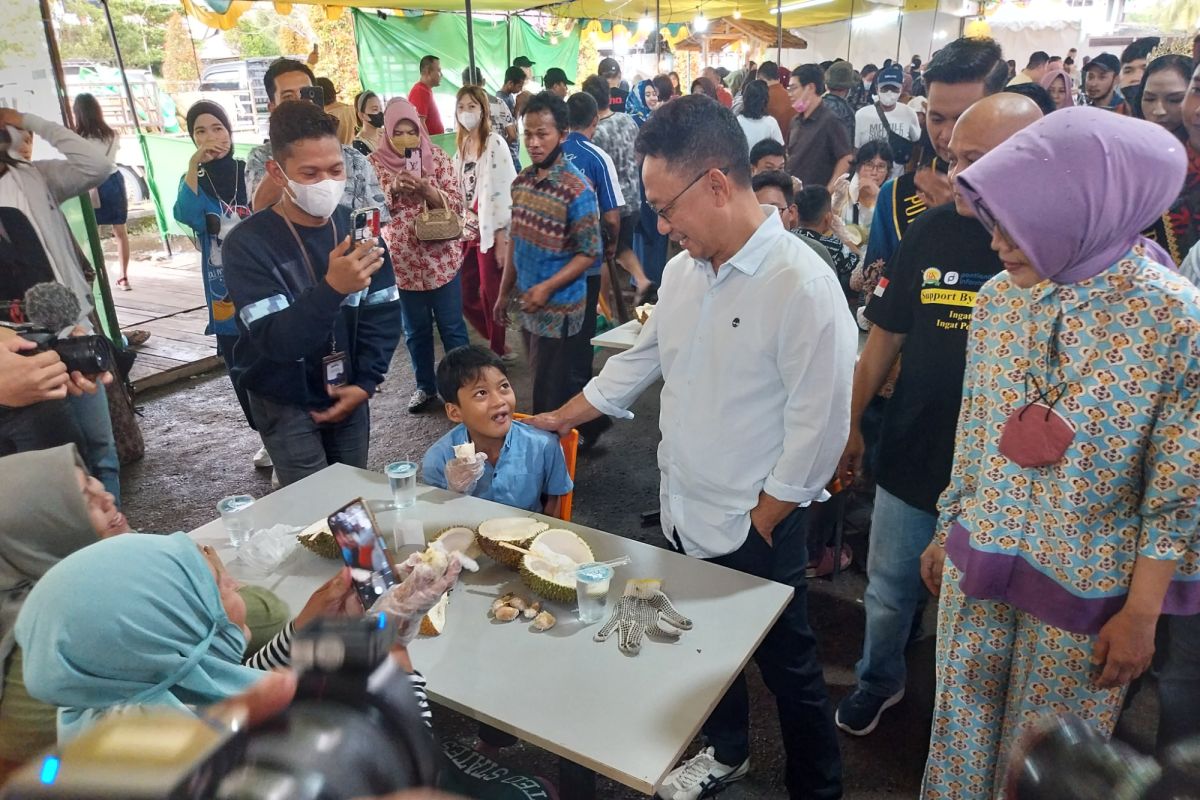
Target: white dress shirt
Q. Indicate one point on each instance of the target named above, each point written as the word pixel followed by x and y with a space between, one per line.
pixel 756 361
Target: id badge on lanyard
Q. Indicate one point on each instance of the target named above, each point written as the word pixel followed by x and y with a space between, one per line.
pixel 335 366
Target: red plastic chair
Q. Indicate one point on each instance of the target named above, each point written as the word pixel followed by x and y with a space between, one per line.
pixel 570 448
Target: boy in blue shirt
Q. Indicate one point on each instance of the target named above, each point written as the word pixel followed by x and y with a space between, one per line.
pixel 513 463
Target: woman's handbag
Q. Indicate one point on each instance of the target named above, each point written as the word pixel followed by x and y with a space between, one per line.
pixel 437 224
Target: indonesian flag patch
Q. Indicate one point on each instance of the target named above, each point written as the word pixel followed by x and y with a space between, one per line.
pixel 881 287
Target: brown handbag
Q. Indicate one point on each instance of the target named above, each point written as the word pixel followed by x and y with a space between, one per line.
pixel 437 224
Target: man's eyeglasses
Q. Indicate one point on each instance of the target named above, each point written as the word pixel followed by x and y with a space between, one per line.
pixel 666 210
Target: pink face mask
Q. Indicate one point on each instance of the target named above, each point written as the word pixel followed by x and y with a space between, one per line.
pixel 800 106
pixel 1037 435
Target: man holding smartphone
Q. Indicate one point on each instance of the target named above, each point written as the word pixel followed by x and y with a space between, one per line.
pixel 318 313
pixel 287 79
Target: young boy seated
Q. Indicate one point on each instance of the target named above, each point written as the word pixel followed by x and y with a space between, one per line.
pixel 512 463
pixel 814 208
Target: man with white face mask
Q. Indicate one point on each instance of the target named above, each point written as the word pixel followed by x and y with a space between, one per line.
pixel 318 314
pixel 902 129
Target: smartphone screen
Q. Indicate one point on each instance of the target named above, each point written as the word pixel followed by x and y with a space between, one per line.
pixel 366 223
pixel 354 529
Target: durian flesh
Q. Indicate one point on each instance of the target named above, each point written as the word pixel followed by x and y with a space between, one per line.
pixel 549 570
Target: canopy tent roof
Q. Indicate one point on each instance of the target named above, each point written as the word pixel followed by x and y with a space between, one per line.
pixel 223 14
pixel 726 31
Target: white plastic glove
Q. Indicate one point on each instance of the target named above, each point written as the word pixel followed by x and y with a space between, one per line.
pixel 438 558
pixel 463 473
pixel 408 602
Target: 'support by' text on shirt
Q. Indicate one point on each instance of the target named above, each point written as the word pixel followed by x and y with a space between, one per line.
pixel 756 361
pixel 928 293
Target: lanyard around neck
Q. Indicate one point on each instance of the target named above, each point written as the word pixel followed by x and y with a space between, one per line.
pixel 312 272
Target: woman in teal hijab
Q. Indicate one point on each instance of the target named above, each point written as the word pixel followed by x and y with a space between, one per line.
pixel 71 511
pixel 138 619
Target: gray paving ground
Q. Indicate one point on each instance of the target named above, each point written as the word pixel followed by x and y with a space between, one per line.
pixel 199 449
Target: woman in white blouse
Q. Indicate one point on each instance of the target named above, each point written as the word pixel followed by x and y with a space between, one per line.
pixel 756 123
pixel 485 174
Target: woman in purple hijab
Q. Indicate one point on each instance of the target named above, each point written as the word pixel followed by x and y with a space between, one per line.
pixel 1070 522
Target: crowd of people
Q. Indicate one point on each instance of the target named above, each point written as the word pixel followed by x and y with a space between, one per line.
pixel 1024 409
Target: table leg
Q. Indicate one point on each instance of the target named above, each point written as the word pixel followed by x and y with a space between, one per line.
pixel 575 782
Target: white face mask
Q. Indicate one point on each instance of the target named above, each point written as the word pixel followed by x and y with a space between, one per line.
pixel 469 119
pixel 866 83
pixel 889 98
pixel 319 199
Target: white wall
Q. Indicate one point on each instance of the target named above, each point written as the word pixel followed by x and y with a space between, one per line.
pixel 921 33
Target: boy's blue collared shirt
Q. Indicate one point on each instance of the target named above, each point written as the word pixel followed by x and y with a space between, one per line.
pixel 531 465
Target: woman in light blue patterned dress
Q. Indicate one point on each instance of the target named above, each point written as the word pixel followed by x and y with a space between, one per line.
pixel 1070 522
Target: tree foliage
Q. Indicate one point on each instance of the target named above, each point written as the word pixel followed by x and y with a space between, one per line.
pixel 179 54
pixel 140 26
pixel 255 35
pixel 339 56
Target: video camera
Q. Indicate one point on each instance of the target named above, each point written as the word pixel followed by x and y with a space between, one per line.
pixel 1062 758
pixel 353 730
pixel 47 309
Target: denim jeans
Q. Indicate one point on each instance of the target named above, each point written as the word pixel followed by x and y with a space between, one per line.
pixel 300 447
pixel 788 661
pixel 421 309
pixel 899 534
pixel 1179 682
pixel 99 448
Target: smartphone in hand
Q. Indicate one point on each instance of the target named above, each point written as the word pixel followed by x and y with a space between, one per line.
pixel 365 223
pixel 363 551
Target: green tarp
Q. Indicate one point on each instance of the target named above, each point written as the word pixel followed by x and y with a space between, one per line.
pixel 390 50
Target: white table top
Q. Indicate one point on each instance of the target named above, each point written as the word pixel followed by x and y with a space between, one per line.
pixel 628 718
pixel 622 337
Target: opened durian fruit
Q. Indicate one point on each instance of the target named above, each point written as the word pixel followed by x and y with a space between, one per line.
pixel 434 622
pixel 554 556
pixel 317 538
pixel 518 531
pixel 458 539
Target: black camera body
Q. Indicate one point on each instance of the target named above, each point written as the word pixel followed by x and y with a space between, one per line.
pixel 353 730
pixel 88 355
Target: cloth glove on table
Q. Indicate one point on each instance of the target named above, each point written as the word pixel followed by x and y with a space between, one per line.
pixel 642 609
pixel 463 473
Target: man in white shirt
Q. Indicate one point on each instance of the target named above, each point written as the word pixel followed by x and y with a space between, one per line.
pixel 756 353
pixel 902 120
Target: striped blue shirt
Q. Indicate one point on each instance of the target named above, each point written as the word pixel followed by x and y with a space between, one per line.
pixel 598 168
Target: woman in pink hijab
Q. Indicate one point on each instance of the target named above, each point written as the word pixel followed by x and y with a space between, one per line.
pixel 1060 86
pixel 1070 521
pixel 415 174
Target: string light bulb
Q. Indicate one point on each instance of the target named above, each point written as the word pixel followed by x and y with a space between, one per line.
pixel 646 23
pixel 737 12
pixel 700 23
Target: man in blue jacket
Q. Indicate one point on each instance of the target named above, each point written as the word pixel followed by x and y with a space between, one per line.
pixel 319 315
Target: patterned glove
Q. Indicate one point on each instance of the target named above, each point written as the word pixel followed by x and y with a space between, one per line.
pixel 463 473
pixel 408 602
pixel 642 609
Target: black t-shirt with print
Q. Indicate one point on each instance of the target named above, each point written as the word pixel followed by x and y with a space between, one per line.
pixel 928 294
pixel 616 99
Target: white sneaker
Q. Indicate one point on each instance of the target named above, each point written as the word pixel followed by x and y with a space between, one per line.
pixel 262 459
pixel 275 482
pixel 417 401
pixel 701 776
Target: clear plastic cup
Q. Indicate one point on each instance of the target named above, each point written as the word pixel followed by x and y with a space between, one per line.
pixel 592 582
pixel 237 513
pixel 402 476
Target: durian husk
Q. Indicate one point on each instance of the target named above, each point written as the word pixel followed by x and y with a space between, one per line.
pixel 519 531
pixel 317 538
pixel 562 541
pixel 434 622
pixel 459 538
